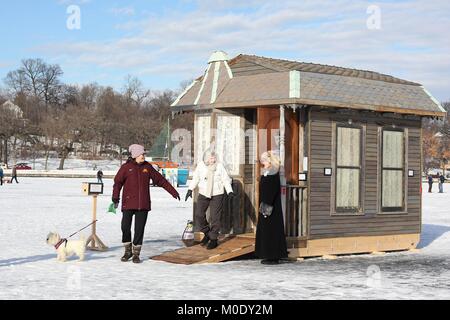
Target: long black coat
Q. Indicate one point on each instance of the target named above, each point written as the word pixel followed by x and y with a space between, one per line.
pixel 270 239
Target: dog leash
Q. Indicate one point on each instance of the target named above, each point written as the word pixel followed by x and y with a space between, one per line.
pixel 82 229
pixel 64 240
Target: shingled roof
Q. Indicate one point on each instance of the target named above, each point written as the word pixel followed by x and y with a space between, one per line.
pixel 288 65
pixel 250 81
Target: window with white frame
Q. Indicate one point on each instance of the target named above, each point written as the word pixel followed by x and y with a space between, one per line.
pixel 348 169
pixel 393 170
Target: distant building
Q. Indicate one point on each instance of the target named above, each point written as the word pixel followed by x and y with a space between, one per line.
pixel 13 108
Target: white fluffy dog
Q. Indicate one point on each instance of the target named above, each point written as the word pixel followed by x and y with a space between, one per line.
pixel 66 248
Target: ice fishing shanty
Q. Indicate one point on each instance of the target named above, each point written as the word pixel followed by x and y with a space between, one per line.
pixel 350 142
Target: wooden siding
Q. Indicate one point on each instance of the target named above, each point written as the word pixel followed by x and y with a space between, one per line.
pixel 322 222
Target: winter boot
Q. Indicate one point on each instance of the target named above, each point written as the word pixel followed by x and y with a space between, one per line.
pixel 205 240
pixel 212 244
pixel 136 253
pixel 128 254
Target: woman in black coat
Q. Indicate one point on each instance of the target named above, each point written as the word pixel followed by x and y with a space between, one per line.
pixel 270 243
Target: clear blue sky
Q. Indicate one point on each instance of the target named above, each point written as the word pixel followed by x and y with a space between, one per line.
pixel 166 42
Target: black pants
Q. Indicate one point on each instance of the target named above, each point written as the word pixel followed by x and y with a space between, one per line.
pixel 14 178
pixel 1 181
pixel 215 205
pixel 139 226
pixel 430 186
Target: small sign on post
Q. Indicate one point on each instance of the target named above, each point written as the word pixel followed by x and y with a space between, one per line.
pixel 94 189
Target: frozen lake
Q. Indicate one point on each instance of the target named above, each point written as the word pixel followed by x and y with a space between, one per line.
pixel 29 270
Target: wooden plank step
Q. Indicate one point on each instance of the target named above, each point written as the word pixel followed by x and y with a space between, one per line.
pixel 229 248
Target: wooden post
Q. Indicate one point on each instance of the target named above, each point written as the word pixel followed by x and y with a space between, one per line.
pixel 94 242
pixel 94 214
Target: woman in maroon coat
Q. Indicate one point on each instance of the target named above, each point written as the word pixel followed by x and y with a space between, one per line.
pixel 134 177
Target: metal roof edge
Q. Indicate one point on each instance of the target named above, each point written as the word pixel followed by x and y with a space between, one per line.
pixel 183 93
pixel 433 99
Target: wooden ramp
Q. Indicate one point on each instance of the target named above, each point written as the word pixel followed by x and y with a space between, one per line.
pixel 229 248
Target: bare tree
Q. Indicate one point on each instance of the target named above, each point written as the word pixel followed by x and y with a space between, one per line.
pixel 60 116
pixel 436 141
pixel 445 130
pixel 75 125
pixel 11 126
pixel 134 92
pixel 36 78
pixel 49 83
pixel 88 95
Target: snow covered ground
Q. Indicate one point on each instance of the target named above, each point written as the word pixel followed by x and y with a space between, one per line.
pixel 29 270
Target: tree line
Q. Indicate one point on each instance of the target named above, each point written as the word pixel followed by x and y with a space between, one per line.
pixel 56 116
pixel 436 141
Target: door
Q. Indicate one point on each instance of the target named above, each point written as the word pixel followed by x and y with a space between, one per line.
pixel 268 139
pixel 268 124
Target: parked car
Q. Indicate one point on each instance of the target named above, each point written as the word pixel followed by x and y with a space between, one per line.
pixel 23 166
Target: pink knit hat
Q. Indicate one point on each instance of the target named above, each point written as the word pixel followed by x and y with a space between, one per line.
pixel 136 150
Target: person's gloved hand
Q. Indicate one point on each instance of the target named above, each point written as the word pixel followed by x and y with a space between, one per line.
pixel 188 195
pixel 116 202
pixel 231 194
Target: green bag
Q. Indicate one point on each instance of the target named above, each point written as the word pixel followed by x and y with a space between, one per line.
pixel 111 208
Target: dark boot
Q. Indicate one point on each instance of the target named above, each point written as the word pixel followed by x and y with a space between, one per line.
pixel 212 244
pixel 128 254
pixel 136 253
pixel 204 241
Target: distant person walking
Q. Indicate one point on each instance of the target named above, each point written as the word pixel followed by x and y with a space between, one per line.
pixel 1 176
pixel 14 174
pixel 100 176
pixel 430 183
pixel 441 183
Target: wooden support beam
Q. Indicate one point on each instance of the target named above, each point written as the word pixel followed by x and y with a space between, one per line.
pixel 350 245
